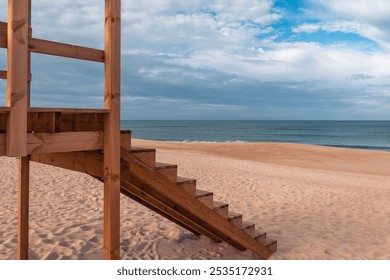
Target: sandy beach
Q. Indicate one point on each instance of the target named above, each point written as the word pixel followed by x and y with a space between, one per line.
pixel 318 202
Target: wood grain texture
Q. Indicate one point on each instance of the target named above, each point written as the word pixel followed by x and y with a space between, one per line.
pixel 23 207
pixel 159 186
pixel 43 143
pixel 111 238
pixel 2 144
pixel 3 34
pixel 65 50
pixel 17 77
pixel 90 163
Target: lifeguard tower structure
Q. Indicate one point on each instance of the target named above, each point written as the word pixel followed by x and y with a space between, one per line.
pixel 90 141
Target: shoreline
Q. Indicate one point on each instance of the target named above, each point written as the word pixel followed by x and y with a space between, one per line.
pixel 289 154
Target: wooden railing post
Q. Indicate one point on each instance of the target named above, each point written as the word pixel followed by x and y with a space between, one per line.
pixel 17 77
pixel 112 130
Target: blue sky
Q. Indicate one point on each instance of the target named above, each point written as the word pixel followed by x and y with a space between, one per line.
pixel 223 59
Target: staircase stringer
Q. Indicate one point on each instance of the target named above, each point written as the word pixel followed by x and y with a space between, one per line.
pixel 192 208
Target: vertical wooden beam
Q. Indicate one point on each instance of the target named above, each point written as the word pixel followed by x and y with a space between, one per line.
pixel 17 77
pixel 112 130
pixel 24 173
pixel 29 56
pixel 23 207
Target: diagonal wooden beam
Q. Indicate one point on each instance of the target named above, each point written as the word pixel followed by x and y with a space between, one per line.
pixel 192 208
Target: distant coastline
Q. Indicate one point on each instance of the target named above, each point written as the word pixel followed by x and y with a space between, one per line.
pixel 366 135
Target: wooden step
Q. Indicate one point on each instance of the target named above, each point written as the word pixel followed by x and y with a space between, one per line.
pixel 235 219
pixel 205 197
pixel 168 170
pixel 248 228
pixel 221 208
pixel 187 184
pixel 146 155
pixel 261 236
pixel 271 244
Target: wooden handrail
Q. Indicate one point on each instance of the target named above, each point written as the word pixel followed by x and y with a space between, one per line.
pixel 55 48
pixel 65 50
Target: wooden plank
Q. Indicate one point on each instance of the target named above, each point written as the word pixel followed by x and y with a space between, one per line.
pixel 65 50
pixel 66 110
pixel 29 56
pixel 41 143
pixel 23 207
pixel 3 74
pixel 134 193
pixel 3 123
pixel 3 28
pixel 112 53
pixel 2 145
pixel 82 122
pixel 136 190
pixel 189 206
pixel 44 122
pixel 17 71
pixel 90 163
pixel 126 139
pixel 3 34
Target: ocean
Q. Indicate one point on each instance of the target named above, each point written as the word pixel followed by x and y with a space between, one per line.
pixel 371 135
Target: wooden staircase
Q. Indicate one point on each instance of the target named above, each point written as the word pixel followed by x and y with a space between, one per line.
pixel 148 181
pixel 158 187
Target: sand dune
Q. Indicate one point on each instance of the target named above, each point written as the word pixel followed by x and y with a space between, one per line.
pixel 318 202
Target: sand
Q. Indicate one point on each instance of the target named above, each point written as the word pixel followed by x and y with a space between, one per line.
pixel 318 202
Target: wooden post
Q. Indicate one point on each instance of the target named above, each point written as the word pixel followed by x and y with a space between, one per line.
pixel 23 207
pixel 112 130
pixel 17 77
pixel 24 175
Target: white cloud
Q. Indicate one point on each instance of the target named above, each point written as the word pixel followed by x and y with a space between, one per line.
pixel 367 18
pixel 307 28
pixel 203 45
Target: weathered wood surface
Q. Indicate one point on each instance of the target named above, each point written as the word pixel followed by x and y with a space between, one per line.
pixel 90 163
pixel 54 48
pixel 2 144
pixel 81 122
pixel 112 59
pixel 44 143
pixel 65 50
pixel 44 122
pixel 4 32
pixel 23 207
pixel 59 120
pixel 17 77
pixel 41 143
pixel 167 192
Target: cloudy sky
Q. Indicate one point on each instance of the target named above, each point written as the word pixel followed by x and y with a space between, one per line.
pixel 223 59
